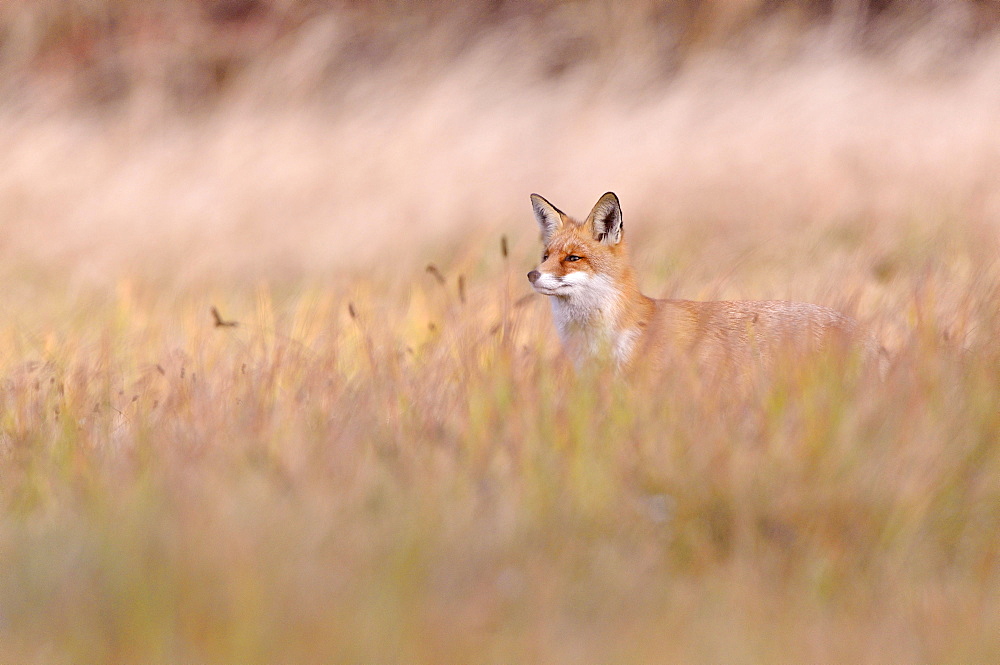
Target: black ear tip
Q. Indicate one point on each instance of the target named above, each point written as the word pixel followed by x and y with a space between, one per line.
pixel 610 198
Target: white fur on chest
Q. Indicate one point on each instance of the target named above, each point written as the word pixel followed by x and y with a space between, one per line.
pixel 587 319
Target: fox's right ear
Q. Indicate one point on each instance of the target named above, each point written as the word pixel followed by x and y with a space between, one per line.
pixel 549 217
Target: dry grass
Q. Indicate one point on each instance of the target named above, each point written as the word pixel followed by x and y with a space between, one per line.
pixel 378 465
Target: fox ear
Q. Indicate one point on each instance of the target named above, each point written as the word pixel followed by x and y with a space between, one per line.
pixel 606 220
pixel 549 217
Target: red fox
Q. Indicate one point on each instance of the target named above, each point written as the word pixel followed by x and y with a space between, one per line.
pixel 600 312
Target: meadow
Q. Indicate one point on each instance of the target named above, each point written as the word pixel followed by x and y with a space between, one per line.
pixel 386 459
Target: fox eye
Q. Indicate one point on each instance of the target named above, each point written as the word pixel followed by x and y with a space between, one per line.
pixel 545 256
pixel 573 257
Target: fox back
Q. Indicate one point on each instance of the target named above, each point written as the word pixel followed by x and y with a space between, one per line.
pixel 600 313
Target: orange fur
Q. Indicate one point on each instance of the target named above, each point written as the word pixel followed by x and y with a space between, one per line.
pixel 600 311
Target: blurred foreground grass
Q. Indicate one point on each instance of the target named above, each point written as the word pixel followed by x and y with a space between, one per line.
pixel 373 472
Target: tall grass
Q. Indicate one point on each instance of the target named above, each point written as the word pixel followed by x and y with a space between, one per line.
pixel 387 459
pixel 315 486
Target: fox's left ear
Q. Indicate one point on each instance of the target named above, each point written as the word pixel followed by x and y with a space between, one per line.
pixel 606 220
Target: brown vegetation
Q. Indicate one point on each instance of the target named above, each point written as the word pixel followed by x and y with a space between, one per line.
pixel 388 463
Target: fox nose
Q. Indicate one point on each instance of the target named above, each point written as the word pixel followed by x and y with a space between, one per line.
pixel 533 276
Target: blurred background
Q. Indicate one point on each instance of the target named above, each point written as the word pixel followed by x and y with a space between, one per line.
pixel 193 140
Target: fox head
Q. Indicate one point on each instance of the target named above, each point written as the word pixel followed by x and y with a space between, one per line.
pixel 580 259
